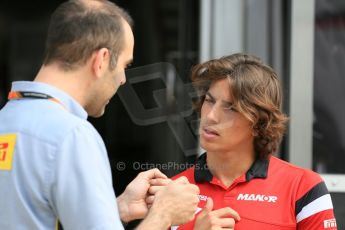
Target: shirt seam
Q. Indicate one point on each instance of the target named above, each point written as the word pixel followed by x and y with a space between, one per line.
pixel 271 223
pixel 53 170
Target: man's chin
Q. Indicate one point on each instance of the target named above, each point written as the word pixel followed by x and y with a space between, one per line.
pixel 97 114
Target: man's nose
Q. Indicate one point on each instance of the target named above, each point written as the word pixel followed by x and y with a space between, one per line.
pixel 213 114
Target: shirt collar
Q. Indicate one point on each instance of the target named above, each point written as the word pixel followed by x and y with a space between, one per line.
pixel 258 169
pixel 67 101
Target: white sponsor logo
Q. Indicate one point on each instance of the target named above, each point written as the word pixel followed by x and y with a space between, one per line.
pixel 202 197
pixel 257 197
pixel 330 223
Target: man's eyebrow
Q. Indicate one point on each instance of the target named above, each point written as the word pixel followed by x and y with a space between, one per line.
pixel 228 103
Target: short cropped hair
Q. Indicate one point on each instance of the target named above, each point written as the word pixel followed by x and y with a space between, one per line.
pixel 78 28
pixel 256 92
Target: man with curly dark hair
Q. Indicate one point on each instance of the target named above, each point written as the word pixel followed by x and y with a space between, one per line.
pixel 241 183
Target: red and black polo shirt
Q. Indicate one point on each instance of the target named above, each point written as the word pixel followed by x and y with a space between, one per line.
pixel 272 195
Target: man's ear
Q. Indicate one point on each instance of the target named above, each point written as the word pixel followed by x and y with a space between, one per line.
pixel 100 62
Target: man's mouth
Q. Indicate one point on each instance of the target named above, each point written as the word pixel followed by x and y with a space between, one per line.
pixel 210 131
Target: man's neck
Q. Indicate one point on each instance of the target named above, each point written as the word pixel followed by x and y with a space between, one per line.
pixel 227 166
pixel 68 81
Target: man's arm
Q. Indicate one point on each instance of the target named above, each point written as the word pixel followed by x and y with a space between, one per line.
pixel 132 202
pixel 174 204
pixel 314 208
pixel 81 188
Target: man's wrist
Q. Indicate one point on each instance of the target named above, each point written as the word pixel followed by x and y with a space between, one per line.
pixel 161 214
pixel 123 209
pixel 155 218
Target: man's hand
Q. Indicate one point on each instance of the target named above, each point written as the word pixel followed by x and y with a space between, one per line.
pixel 156 185
pixel 132 202
pixel 176 202
pixel 217 219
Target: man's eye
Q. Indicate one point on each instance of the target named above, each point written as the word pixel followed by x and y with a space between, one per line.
pixel 208 100
pixel 230 108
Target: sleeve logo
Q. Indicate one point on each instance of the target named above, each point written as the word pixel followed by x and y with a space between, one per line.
pixel 7 143
pixel 329 223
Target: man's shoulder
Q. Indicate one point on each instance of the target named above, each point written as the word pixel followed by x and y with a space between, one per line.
pixel 56 126
pixel 189 173
pixel 290 168
pixel 47 121
pixel 290 172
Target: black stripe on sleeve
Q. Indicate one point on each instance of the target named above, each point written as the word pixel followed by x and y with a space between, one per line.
pixel 315 192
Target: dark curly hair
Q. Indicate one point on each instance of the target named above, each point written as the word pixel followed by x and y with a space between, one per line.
pixel 256 92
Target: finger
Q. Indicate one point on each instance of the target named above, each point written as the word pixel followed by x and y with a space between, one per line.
pixel 149 200
pixel 152 173
pixel 158 174
pixel 227 222
pixel 193 188
pixel 159 182
pixel 182 180
pixel 154 189
pixel 209 205
pixel 227 211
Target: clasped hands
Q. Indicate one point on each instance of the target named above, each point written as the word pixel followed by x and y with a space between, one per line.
pixel 175 201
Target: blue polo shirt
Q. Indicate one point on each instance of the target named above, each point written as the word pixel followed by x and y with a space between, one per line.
pixel 53 165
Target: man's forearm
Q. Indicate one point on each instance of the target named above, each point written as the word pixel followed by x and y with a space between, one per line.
pixel 123 209
pixel 155 220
